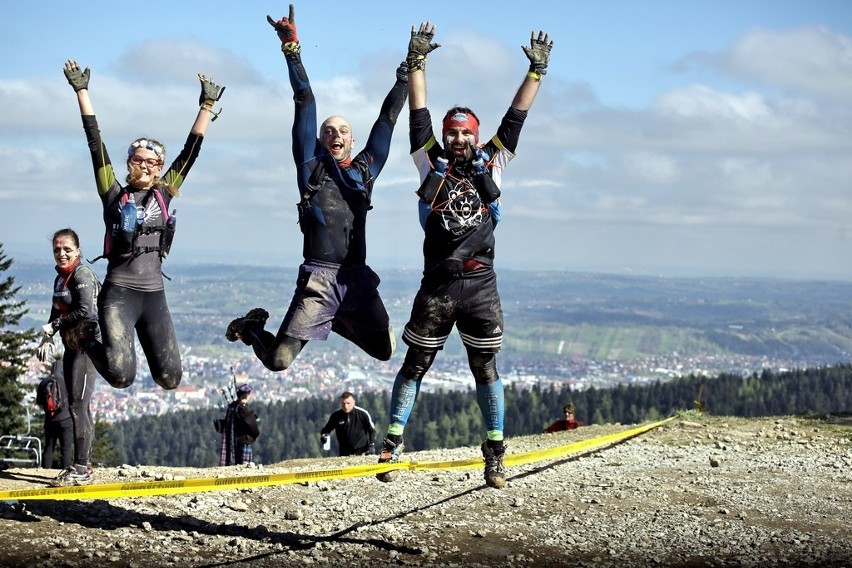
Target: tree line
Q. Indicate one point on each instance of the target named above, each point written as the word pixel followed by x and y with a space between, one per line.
pixel 290 429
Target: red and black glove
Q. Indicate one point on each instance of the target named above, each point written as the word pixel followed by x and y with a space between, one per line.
pixel 286 30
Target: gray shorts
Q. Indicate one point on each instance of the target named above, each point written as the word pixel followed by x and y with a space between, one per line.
pixel 328 295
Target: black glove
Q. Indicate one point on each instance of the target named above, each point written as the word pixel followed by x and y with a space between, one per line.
pixel 538 52
pixel 210 91
pixel 402 72
pixel 76 78
pixel 420 45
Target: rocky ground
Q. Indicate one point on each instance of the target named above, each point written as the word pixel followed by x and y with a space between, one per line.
pixel 698 491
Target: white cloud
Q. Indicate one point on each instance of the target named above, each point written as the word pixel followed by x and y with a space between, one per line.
pixel 810 59
pixel 703 103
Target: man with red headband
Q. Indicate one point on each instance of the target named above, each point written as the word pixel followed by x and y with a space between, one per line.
pixel 335 290
pixel 459 207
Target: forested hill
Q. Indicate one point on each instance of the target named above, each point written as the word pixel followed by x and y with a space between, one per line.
pixel 291 429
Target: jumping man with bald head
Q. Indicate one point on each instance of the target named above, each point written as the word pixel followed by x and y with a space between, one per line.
pixel 335 290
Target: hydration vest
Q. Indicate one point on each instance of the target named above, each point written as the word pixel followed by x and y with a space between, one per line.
pixel 116 241
pixel 320 174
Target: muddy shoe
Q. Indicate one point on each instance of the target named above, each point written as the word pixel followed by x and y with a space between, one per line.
pixel 258 315
pixel 390 454
pixel 84 478
pixel 495 472
pixel 232 333
pixel 236 329
pixel 64 477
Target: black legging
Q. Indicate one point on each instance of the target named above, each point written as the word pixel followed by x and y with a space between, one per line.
pixel 120 311
pixel 80 383
pixel 61 432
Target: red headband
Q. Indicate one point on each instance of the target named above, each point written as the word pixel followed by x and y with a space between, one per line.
pixel 463 120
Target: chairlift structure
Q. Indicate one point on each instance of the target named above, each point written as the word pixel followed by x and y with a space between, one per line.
pixel 14 446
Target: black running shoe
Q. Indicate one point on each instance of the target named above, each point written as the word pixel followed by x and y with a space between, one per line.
pixel 258 315
pixel 236 329
pixel 495 472
pixel 232 333
pixel 390 454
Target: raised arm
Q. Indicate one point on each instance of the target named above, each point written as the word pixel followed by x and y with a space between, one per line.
pixel 539 55
pixel 210 93
pixel 378 143
pixel 305 141
pixel 419 46
pixel 175 175
pixel 104 173
pixel 79 80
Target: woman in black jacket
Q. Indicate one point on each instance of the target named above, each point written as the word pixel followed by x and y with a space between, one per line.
pixel 75 293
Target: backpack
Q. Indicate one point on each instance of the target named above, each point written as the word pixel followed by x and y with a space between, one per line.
pixel 51 396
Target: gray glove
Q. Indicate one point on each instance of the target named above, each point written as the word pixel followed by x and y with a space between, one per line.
pixel 210 91
pixel 76 78
pixel 420 45
pixel 538 52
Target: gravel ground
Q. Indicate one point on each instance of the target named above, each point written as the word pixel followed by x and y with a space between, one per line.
pixel 698 491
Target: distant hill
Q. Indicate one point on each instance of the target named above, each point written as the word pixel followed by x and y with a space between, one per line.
pixel 549 314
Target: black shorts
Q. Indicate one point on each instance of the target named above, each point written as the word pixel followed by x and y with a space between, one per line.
pixel 470 302
pixel 327 293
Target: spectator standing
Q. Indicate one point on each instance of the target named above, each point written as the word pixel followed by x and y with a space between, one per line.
pixel 240 430
pixel 353 426
pixel 568 422
pixel 73 308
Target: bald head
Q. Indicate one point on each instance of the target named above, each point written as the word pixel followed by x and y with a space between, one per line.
pixel 336 137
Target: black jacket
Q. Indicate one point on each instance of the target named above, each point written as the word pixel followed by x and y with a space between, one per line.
pixel 355 431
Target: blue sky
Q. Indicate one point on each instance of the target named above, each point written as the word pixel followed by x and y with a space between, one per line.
pixel 672 138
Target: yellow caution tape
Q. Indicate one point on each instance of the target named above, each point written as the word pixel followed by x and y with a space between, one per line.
pixel 145 488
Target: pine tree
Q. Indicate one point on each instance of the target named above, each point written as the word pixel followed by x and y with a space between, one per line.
pixel 13 353
pixel 104 452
